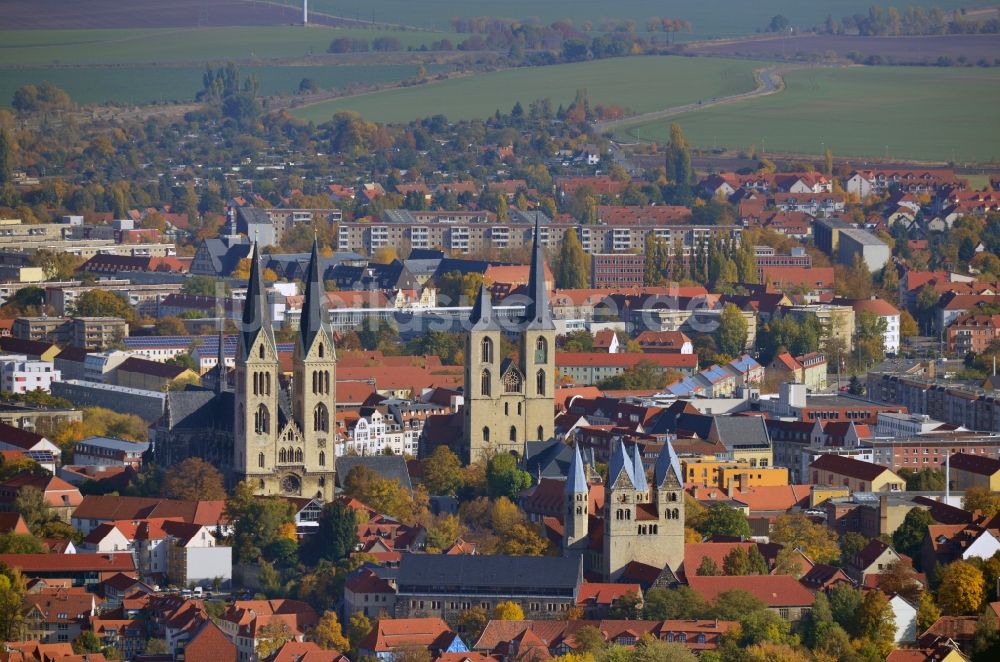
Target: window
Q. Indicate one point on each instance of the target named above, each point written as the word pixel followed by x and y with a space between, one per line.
pixel 486 435
pixel 540 382
pixel 262 420
pixel 320 349
pixel 282 456
pixel 513 434
pixel 541 433
pixel 322 459
pixel 512 382
pixel 260 460
pixel 541 350
pixel 321 418
pixel 486 349
pixel 485 386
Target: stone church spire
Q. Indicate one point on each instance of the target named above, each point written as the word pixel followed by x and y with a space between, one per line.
pixel 255 315
pixel 537 314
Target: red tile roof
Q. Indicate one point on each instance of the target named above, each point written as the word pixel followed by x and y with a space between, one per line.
pixel 32 563
pixel 774 591
pixel 389 634
pixel 626 360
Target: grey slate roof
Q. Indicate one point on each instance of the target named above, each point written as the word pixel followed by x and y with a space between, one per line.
pixel 482 317
pixel 440 573
pixel 741 431
pixel 198 408
pixel 576 480
pixel 392 467
pixel 638 471
pixel 620 463
pixel 547 459
pixel 116 444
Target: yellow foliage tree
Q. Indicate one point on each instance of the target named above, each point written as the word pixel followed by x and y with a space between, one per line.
pixel 328 634
pixel 817 541
pixel 962 589
pixel 508 611
pixel 517 536
pixel 271 637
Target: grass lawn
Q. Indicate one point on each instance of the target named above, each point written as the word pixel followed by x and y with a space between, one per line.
pixel 935 114
pixel 710 19
pixel 97 85
pixel 140 46
pixel 639 83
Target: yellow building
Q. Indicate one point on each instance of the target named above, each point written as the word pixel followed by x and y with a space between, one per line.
pixel 974 471
pixel 709 471
pixel 821 493
pixel 855 475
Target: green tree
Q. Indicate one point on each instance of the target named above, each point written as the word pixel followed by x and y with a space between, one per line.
pixel 927 611
pixel 87 642
pixel 193 480
pixel 471 622
pixel 627 607
pixel 503 477
pixel 20 543
pixel 722 520
pixel 155 647
pixel 443 472
pixel 11 597
pixel 30 502
pixel 578 341
pixel 573 271
pixel 850 544
pixel 668 604
pixel 746 261
pixel 708 568
pixel 643 375
pixel 925 480
pixel 869 338
pixel 335 535
pixel 257 522
pixel 358 628
pixel 736 562
pixel 678 158
pixel 845 603
pixel 732 332
pixel 384 495
pixel 909 537
pixel 758 564
pixel 981 499
pixel 6 157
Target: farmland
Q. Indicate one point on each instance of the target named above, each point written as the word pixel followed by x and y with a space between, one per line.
pixel 665 81
pixel 934 114
pixel 145 84
pixel 918 50
pixel 146 45
pixel 710 19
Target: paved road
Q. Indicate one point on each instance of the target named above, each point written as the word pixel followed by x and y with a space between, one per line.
pixel 769 81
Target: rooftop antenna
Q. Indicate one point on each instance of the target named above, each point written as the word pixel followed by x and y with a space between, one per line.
pixel 305 12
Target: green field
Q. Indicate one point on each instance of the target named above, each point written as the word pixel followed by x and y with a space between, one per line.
pixel 142 46
pixel 639 83
pixel 922 113
pixel 98 85
pixel 710 19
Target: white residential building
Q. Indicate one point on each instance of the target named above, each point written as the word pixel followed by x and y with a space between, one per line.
pixel 19 374
pixel 391 425
pixel 906 619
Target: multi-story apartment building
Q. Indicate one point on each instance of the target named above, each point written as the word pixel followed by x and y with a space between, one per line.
pixel 972 333
pixel 765 256
pixel 461 233
pixel 971 408
pixel 836 322
pixel 18 374
pixel 929 451
pixel 86 332
pixel 393 425
pixel 615 270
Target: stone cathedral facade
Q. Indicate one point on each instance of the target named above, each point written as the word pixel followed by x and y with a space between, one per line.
pixel 509 402
pixel 284 433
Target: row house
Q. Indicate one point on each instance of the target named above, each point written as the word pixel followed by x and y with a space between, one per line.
pixel 865 183
pixel 822 204
pixel 392 425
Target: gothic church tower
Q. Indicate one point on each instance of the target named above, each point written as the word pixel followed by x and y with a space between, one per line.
pixel 510 402
pixel 284 445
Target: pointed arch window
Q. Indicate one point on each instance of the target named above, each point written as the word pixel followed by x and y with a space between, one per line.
pixel 541 350
pixel 541 433
pixel 322 459
pixel 260 351
pixel 321 418
pixel 315 382
pixel 486 349
pixel 513 433
pixel 262 420
pixel 486 434
pixel 260 460
pixel 512 382
pixel 282 456
pixel 486 383
pixel 540 382
pixel 298 454
pixel 267 383
pixel 320 350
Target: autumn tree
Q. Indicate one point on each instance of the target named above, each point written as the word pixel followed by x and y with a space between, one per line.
pixel 443 472
pixel 962 588
pixel 272 636
pixel 877 622
pixel 328 634
pixel 899 577
pixel 357 629
pixel 927 611
pixel 508 611
pixel 982 499
pixel 193 480
pixel 817 541
pixel 708 568
pixel 11 597
pixel 385 495
pixel 103 303
pixel 257 522
pixel 573 271
pixel 443 532
pixel 470 623
pixel 677 158
pixel 517 536
pixel 736 562
pixel 20 543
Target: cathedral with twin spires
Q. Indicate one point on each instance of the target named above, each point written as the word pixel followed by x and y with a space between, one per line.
pixel 284 434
